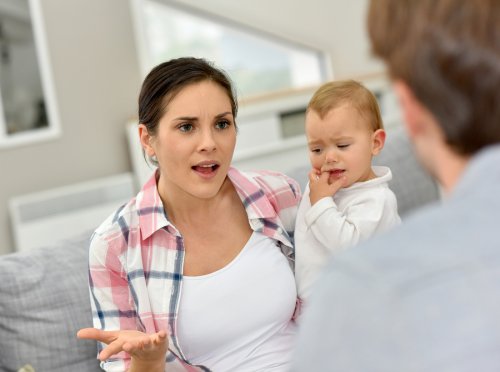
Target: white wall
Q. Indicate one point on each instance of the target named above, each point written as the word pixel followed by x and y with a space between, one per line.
pixel 97 77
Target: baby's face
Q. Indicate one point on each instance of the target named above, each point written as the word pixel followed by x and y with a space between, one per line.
pixel 342 144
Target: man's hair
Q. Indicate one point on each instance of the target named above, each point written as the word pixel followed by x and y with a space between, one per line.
pixel 448 53
pixel 334 94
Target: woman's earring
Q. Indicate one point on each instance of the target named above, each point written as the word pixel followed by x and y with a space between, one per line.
pixel 153 160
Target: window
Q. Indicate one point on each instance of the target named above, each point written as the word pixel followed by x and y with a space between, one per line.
pixel 258 63
pixel 27 101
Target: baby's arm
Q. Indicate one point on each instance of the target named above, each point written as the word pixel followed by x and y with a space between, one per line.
pixel 337 230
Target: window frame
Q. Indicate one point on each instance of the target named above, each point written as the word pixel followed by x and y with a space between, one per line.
pixel 53 130
pixel 326 71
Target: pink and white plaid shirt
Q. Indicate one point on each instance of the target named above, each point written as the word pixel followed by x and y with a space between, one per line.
pixel 137 256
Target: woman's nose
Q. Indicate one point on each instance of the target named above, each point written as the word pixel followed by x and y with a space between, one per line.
pixel 207 142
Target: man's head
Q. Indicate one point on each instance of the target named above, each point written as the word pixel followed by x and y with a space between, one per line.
pixel 447 53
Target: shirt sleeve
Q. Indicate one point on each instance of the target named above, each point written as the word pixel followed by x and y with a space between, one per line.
pixel 110 296
pixel 337 230
pixel 288 204
pixel 344 338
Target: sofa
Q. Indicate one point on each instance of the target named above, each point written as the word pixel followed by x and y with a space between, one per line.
pixel 44 297
pixel 44 300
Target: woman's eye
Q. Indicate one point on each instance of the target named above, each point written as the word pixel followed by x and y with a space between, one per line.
pixel 222 124
pixel 186 127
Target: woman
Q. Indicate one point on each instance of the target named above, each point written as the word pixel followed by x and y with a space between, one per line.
pixel 197 269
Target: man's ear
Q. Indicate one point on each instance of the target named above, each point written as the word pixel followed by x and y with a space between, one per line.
pixel 378 141
pixel 146 139
pixel 413 111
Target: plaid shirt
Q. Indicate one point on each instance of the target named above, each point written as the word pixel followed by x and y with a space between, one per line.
pixel 137 256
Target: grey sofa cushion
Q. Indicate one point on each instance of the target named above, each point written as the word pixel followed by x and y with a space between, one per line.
pixel 43 302
pixel 412 186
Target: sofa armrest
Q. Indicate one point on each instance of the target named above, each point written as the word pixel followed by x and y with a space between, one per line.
pixel 44 300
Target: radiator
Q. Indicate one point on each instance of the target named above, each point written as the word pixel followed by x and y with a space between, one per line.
pixel 43 218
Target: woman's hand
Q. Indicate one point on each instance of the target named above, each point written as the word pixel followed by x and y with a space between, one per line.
pixel 321 186
pixel 143 348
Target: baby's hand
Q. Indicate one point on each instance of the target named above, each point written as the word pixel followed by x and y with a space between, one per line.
pixel 139 345
pixel 320 186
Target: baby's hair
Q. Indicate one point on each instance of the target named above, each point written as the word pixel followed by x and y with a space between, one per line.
pixel 334 94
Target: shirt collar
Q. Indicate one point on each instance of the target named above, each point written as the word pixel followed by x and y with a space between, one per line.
pixel 150 208
pixel 484 162
pixel 252 195
pixel 152 215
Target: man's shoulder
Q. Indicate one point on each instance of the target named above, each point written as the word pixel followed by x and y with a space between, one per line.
pixel 428 283
pixel 433 240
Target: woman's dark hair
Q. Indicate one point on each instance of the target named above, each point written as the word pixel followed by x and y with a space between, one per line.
pixel 166 80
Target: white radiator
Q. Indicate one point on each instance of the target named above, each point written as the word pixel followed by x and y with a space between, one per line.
pixel 42 218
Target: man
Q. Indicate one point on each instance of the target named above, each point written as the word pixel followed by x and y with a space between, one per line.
pixel 426 296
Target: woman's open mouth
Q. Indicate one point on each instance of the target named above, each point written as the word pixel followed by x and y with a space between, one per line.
pixel 206 169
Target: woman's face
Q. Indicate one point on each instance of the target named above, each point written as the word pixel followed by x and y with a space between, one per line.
pixel 195 141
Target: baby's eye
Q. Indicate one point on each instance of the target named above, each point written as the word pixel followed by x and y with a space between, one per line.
pixel 222 124
pixel 343 146
pixel 316 151
pixel 186 127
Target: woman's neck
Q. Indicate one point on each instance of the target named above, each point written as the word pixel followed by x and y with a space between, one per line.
pixel 184 208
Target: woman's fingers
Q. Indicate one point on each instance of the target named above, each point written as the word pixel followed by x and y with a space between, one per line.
pixel 110 350
pixel 126 340
pixel 97 334
pixel 87 333
pixel 160 337
pixel 143 343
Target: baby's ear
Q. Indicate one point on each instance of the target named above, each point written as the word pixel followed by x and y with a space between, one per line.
pixel 378 141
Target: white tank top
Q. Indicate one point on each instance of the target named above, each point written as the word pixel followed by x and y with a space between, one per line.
pixel 239 317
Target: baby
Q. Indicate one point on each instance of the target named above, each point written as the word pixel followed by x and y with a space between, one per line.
pixel 347 199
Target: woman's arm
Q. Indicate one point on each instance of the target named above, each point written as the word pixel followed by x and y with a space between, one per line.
pixel 114 315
